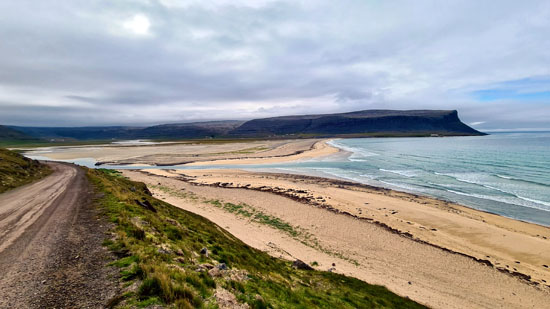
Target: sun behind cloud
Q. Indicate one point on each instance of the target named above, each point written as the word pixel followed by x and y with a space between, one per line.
pixel 139 24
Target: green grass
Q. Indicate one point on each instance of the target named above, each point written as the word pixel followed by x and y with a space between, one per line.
pixel 16 170
pixel 248 212
pixel 112 173
pixel 36 143
pixel 240 210
pixel 161 252
pixel 249 150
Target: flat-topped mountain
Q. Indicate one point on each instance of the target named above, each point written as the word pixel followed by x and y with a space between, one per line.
pixel 354 124
pixel 361 123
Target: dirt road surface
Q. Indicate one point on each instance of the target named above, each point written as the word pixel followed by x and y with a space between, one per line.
pixel 50 245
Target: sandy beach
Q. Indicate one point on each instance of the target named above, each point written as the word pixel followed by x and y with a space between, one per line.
pixel 275 154
pixel 365 249
pixel 438 253
pixel 193 152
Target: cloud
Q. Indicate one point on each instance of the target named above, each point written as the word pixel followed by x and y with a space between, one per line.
pixel 153 61
pixel 138 24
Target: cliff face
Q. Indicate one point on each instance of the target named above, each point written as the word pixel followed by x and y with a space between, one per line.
pixel 369 122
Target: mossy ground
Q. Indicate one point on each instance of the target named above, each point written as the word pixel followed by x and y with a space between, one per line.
pixel 159 255
pixel 16 170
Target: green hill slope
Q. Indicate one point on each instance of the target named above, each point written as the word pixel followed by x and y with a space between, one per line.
pixel 16 170
pixel 11 134
pixel 171 257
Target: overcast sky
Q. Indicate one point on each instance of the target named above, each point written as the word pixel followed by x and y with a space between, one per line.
pixel 118 62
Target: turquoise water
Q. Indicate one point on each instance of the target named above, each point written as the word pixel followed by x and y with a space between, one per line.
pixel 507 174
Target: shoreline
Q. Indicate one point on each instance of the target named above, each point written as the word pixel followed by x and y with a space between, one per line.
pixel 418 205
pixel 335 213
pixel 181 154
pixel 318 149
pixel 272 189
pixel 407 235
pixel 323 175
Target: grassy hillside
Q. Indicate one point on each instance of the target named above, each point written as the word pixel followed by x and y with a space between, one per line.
pixel 171 257
pixel 193 130
pixel 16 170
pixel 9 136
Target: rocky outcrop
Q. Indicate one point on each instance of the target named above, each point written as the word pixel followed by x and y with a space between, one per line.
pixel 299 264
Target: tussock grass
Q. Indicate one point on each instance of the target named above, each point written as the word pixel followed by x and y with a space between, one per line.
pixel 255 215
pixel 161 262
pixel 16 170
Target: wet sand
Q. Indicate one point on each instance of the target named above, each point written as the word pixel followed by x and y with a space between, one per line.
pixel 192 152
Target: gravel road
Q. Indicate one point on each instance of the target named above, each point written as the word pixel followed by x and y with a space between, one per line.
pixel 50 245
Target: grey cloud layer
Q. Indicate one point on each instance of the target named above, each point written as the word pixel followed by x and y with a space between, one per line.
pixel 74 63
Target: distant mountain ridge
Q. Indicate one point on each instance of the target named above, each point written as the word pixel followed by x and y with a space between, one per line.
pixel 7 133
pixel 353 124
pixel 193 130
pixel 367 122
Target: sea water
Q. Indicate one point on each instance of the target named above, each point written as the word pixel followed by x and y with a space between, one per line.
pixel 505 173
